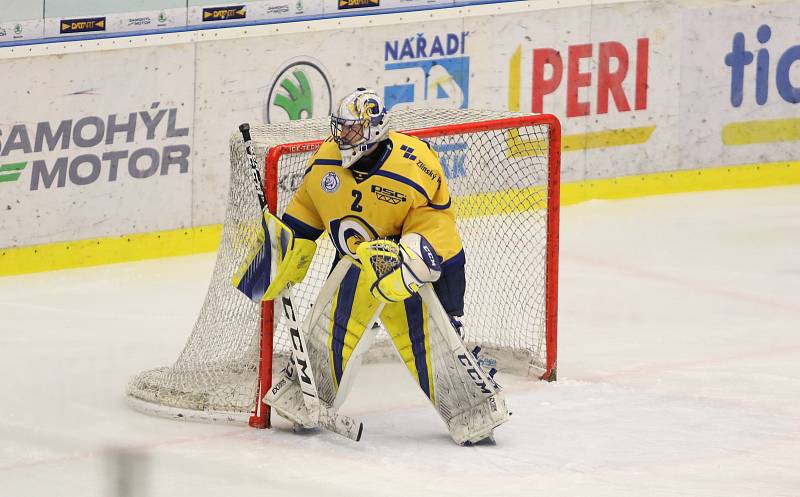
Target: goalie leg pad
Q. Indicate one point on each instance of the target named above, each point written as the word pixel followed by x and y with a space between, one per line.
pixel 334 328
pixel 352 311
pixel 407 325
pixel 468 399
pixel 479 421
pixel 353 365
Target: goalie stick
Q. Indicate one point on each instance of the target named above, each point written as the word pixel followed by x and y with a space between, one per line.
pixel 321 415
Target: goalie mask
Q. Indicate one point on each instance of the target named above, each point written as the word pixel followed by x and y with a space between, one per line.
pixel 358 122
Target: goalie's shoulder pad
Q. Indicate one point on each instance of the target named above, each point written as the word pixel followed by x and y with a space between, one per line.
pixel 416 161
pixel 419 258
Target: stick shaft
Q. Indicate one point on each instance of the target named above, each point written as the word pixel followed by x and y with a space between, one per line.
pixel 330 419
pixel 244 129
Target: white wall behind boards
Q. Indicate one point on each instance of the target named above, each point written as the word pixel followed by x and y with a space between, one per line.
pixel 640 87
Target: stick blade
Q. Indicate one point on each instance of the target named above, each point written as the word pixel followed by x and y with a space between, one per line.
pixel 340 424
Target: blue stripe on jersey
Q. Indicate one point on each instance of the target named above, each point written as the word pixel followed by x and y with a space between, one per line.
pixel 416 332
pixel 440 207
pixel 327 162
pixel 344 306
pixel 403 179
pixel 301 229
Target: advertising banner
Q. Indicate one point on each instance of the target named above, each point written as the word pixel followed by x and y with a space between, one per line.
pixel 222 14
pixel 610 74
pixel 269 79
pixel 359 6
pixel 741 85
pixel 640 87
pixel 11 31
pixel 614 86
pixel 83 156
pixel 115 23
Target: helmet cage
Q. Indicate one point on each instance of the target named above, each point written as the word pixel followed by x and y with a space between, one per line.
pixel 346 132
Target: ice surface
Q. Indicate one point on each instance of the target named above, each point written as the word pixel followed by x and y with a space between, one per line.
pixel 679 374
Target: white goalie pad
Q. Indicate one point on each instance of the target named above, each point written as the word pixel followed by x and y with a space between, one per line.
pixel 287 398
pixel 306 393
pixel 467 398
pixel 316 326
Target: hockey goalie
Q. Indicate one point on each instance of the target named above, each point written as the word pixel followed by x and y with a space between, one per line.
pixel 383 199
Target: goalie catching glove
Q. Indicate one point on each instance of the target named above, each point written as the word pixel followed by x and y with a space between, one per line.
pixel 273 264
pixel 397 271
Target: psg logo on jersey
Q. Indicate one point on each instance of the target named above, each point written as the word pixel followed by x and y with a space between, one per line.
pixel 330 183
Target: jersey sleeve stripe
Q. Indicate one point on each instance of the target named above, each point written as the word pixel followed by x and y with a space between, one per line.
pixel 440 207
pixel 459 258
pixel 327 162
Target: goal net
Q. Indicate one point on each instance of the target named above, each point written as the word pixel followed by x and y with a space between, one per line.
pixel 503 173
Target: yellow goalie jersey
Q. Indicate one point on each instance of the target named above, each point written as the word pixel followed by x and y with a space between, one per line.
pixel 399 189
pixel 404 192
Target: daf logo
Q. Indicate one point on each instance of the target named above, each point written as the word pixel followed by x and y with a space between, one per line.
pixel 301 90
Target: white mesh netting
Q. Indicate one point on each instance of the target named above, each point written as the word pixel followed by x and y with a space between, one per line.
pixel 498 181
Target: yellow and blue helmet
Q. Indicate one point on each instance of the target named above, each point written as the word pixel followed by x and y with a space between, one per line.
pixel 358 122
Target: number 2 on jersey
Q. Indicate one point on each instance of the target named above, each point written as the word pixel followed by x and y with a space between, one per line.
pixel 356 207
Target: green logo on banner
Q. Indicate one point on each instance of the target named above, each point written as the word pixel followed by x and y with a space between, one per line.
pixel 11 172
pixel 300 90
pixel 299 101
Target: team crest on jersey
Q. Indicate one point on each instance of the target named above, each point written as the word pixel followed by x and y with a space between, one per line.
pixel 330 182
pixel 349 232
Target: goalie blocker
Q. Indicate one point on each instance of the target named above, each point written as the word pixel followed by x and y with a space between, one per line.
pixel 390 284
